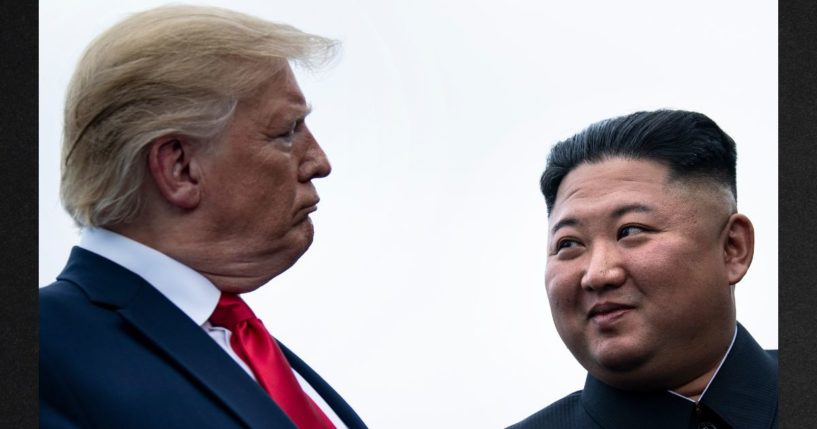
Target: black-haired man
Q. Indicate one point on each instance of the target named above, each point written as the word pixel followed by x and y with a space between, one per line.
pixel 645 248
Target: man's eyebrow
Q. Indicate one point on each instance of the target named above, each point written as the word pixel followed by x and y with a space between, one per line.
pixel 303 112
pixel 630 208
pixel 570 221
pixel 615 214
pixel 286 118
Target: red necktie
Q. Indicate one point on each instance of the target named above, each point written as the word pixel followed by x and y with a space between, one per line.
pixel 254 345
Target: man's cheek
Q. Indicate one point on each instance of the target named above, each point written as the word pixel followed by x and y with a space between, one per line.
pixel 562 301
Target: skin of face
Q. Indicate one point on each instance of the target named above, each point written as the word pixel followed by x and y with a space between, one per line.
pixel 256 189
pixel 640 273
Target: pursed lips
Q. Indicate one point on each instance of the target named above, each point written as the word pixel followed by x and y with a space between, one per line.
pixel 304 212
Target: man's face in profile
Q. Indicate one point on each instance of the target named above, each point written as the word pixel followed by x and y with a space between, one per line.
pixel 258 180
pixel 636 275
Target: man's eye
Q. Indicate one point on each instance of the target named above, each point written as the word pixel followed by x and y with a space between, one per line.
pixel 630 230
pixel 289 134
pixel 566 243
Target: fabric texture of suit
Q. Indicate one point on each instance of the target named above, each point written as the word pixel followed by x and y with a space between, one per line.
pixel 743 395
pixel 115 353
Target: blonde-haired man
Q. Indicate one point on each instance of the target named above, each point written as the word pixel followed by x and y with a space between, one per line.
pixel 189 167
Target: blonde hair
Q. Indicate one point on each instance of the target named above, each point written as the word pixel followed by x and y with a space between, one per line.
pixel 169 70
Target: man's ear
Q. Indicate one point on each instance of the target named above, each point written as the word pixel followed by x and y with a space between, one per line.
pixel 739 247
pixel 175 171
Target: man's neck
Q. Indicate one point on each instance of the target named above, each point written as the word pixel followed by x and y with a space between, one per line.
pixel 695 388
pixel 223 263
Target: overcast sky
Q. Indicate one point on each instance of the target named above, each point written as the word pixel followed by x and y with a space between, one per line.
pixel 422 298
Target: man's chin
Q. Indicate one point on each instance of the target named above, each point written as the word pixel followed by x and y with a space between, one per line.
pixel 303 233
pixel 299 241
pixel 618 355
pixel 621 362
pixel 304 236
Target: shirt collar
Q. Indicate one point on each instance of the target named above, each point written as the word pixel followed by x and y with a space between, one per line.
pixel 743 391
pixel 184 287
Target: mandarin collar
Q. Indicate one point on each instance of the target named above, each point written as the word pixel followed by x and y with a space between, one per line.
pixel 743 393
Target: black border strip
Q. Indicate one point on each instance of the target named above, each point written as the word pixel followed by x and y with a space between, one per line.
pixel 798 198
pixel 18 211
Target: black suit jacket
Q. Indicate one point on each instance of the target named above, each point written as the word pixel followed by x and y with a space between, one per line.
pixel 115 353
pixel 743 395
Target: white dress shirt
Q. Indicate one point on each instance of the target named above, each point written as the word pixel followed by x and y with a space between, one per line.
pixel 188 290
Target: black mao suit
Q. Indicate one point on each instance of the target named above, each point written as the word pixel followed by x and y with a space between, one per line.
pixel 115 353
pixel 743 395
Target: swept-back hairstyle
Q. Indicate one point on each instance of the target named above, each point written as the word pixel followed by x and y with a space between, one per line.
pixel 169 70
pixel 690 144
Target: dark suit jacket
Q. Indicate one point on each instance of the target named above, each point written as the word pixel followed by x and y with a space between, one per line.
pixel 115 353
pixel 743 395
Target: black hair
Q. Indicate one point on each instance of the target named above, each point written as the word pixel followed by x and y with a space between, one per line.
pixel 689 143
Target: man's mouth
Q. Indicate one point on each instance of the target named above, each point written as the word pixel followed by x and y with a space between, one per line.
pixel 304 212
pixel 608 310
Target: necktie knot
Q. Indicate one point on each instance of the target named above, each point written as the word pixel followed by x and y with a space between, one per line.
pixel 230 311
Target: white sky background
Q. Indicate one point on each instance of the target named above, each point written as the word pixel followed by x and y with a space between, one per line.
pixel 422 298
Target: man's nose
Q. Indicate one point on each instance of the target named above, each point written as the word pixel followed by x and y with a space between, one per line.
pixel 315 162
pixel 605 268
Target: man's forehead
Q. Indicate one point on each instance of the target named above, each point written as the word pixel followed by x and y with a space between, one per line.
pixel 279 98
pixel 608 189
pixel 281 83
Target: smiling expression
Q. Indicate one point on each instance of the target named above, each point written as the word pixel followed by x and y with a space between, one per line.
pixel 636 274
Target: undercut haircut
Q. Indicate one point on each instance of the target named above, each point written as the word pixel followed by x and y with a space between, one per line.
pixel 690 144
pixel 169 70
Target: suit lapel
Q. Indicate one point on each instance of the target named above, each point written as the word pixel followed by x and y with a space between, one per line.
pixel 175 336
pixel 335 401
